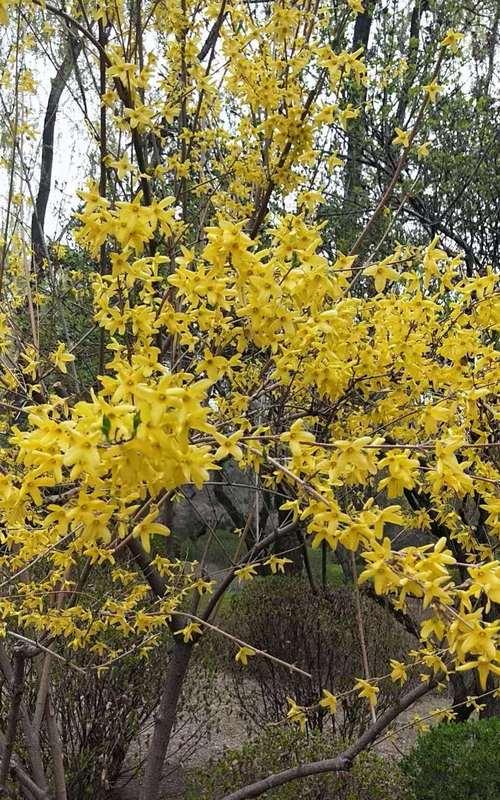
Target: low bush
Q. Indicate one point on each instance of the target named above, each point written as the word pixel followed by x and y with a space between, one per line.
pixel 317 633
pixel 107 719
pixel 370 778
pixel 456 762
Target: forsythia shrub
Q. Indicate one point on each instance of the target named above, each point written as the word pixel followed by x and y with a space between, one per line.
pixel 227 327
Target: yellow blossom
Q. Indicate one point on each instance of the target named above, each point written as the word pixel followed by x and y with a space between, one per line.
pixel 328 701
pixel 402 138
pixel 243 654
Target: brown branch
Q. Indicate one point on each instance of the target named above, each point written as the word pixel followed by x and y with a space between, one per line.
pixel 342 762
pixel 103 149
pixel 361 627
pixel 16 693
pixel 156 582
pixel 242 643
pixel 32 789
pixel 229 577
pixel 397 172
pixel 72 22
pixel 30 738
pixel 57 751
pixel 213 33
pixel 165 719
pixel 264 203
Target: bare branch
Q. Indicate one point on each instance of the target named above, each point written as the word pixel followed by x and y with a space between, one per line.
pixel 342 762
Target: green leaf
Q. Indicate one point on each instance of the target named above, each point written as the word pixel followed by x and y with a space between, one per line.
pixel 106 426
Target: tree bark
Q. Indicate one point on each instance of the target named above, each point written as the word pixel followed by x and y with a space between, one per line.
pixel 165 719
pixel 38 244
pixel 16 694
pixel 57 750
pixel 413 46
pixel 31 739
pixel 356 141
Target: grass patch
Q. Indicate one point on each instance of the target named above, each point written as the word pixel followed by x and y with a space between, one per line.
pixel 224 546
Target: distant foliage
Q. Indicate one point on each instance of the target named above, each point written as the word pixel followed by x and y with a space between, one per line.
pixel 456 762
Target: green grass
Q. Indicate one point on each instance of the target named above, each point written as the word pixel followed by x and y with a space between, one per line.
pixel 221 551
pixel 334 574
pixel 224 545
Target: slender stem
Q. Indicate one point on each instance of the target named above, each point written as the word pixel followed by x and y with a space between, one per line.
pixel 57 751
pixel 16 693
pixel 397 172
pixel 103 175
pixel 241 643
pixel 38 646
pixel 361 628
pixel 324 552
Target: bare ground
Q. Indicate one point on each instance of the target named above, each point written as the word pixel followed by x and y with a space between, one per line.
pixel 201 740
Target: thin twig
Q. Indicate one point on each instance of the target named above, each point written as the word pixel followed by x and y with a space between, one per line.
pixel 241 643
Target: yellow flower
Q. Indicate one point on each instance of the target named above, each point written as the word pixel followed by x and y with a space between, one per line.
pixel 346 114
pixel 402 138
pixel 402 469
pixel 243 654
pixel 82 454
pixel 367 690
pixel 484 666
pixel 378 570
pixel 247 572
pixel 398 671
pixel 334 161
pixel 189 631
pixel 381 274
pixel 61 357
pixel 228 446
pixel 423 150
pixel 452 40
pixel 356 5
pixel 432 89
pixel 297 436
pixel 486 578
pixel 329 701
pixel 342 261
pixel 4 7
pixel 277 564
pixel 147 528
pixel 293 506
pixel 296 714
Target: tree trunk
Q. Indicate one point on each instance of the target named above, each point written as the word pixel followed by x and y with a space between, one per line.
pixel 351 205
pixel 413 46
pixel 38 217
pixel 16 694
pixel 165 719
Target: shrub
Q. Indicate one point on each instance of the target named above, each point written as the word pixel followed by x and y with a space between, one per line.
pixel 100 716
pixel 277 748
pixel 456 762
pixel 318 633
pixel 106 720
